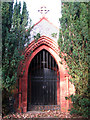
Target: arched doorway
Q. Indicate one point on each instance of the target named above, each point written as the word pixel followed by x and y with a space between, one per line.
pixel 43 80
pixel 64 87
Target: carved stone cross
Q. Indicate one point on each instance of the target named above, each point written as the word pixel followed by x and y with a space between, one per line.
pixel 43 10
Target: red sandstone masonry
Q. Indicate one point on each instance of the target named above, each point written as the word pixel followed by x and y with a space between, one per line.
pixel 62 87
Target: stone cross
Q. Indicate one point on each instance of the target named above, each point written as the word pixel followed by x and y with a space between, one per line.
pixel 43 10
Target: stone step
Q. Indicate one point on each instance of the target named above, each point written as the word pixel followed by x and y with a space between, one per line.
pixel 43 107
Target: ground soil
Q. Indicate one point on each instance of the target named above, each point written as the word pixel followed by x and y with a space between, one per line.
pixel 41 114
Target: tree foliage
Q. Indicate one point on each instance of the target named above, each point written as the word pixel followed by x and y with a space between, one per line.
pixel 73 41
pixel 14 38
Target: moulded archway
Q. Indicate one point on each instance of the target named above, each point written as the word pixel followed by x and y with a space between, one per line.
pixel 30 52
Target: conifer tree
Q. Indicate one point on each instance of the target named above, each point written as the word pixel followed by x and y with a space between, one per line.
pixel 73 41
pixel 24 15
pixel 14 38
pixel 7 12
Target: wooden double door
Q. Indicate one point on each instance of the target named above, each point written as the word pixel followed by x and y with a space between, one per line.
pixel 42 80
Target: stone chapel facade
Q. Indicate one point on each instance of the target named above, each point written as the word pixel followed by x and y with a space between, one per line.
pixel 45 81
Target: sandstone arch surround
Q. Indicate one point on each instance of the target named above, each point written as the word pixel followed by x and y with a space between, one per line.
pixel 52 47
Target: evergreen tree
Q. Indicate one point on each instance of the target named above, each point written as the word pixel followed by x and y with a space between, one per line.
pixel 24 15
pixel 73 41
pixel 7 12
pixel 14 38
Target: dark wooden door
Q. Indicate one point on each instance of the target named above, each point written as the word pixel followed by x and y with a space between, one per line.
pixel 42 80
pixel 44 87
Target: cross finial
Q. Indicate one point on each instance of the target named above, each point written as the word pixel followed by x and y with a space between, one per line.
pixel 43 10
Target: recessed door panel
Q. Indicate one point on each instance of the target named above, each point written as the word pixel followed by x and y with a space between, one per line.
pixel 43 80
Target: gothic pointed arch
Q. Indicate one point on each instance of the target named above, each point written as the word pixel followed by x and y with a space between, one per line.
pixel 33 49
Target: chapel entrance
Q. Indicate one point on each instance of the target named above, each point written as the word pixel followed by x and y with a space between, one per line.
pixel 43 79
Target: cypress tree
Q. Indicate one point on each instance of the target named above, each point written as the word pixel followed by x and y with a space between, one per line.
pixel 14 38
pixel 24 15
pixel 73 41
pixel 7 12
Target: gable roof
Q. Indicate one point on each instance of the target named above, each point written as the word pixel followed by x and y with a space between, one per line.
pixel 46 28
pixel 44 18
